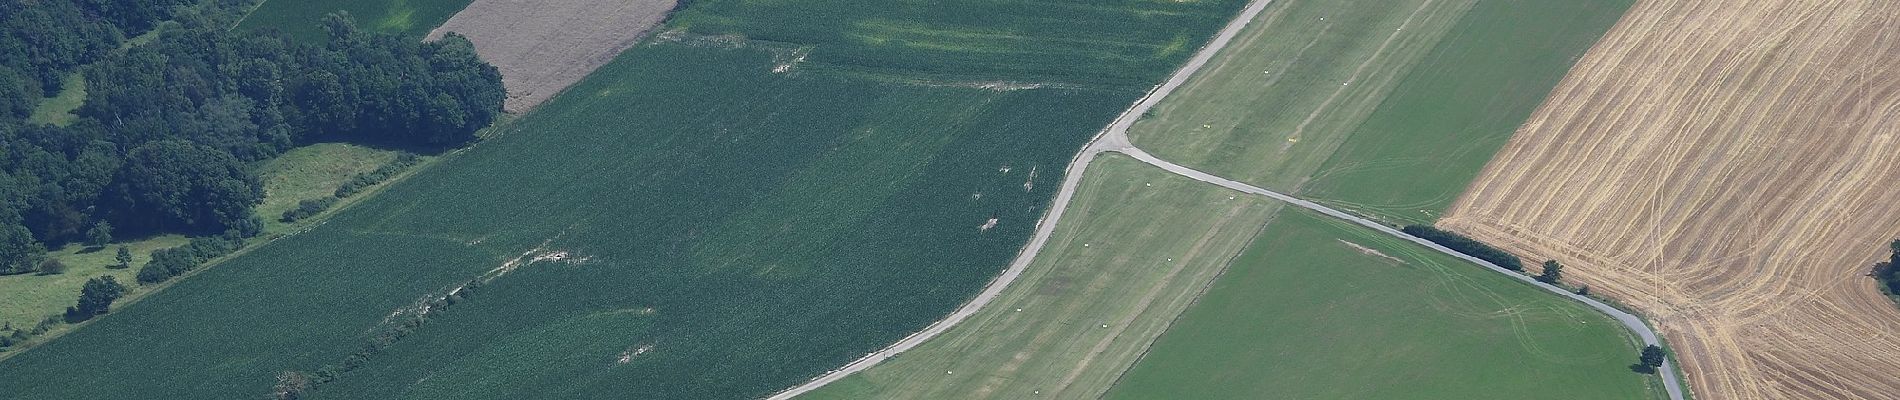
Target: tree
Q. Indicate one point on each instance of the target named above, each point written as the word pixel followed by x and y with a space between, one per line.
pixel 1651 359
pixel 100 235
pixel 124 258
pixel 1552 273
pixel 179 184
pixel 95 298
pixel 52 266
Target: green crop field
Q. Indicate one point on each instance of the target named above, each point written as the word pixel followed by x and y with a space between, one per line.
pixel 685 223
pixel 1384 111
pixel 301 19
pixel 1044 336
pixel 1318 308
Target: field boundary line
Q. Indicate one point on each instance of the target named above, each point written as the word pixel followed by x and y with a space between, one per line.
pixel 1112 137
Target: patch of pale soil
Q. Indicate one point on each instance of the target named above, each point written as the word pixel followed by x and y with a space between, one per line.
pixel 543 46
pixel 987 225
pixel 1370 251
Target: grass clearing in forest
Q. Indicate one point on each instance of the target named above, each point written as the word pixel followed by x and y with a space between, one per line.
pixel 706 216
pixel 58 110
pixel 302 19
pixel 1318 308
pixel 1134 249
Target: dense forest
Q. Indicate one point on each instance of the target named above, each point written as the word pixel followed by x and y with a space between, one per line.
pixel 170 128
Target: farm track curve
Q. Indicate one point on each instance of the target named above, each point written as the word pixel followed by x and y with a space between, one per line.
pixel 1114 138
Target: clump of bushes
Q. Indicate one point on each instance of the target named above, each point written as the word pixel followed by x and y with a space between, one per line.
pixel 1884 271
pixel 308 208
pixel 383 173
pixel 1466 245
pixel 167 263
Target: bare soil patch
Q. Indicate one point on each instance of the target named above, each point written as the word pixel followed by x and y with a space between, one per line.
pixel 543 46
pixel 1728 168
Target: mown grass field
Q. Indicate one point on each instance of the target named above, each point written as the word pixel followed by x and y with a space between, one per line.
pixel 1384 111
pixel 1132 251
pixel 1320 309
pixel 311 172
pixel 301 19
pixel 58 109
pixel 31 297
pixel 729 231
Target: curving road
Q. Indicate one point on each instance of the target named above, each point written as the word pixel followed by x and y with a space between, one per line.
pixel 1115 138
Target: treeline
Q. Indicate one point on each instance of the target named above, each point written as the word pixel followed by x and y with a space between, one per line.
pixel 169 129
pixel 1466 245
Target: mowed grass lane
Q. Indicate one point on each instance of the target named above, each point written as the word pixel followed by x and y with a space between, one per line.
pixel 1133 250
pixel 303 19
pixel 1321 309
pixel 1384 111
pixel 729 231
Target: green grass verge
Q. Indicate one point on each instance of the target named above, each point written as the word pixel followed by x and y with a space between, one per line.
pixel 301 19
pixel 1412 157
pixel 311 172
pixel 1271 108
pixel 1110 244
pixel 27 298
pixel 1320 309
pixel 1384 111
pixel 58 110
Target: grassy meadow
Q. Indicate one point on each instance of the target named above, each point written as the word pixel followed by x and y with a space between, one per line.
pixel 1383 111
pixel 1413 156
pixel 1321 309
pixel 301 19
pixel 725 228
pixel 1147 239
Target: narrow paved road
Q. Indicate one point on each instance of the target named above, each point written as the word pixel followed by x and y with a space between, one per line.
pixel 1115 138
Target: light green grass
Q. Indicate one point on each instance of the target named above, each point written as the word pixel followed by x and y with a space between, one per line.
pixel 1303 314
pixel 1238 117
pixel 1290 107
pixel 311 172
pixel 58 110
pixel 1147 239
pixel 301 19
pixel 27 298
pixel 1414 155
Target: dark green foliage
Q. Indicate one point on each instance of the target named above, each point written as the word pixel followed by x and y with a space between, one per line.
pixel 95 298
pixel 1552 272
pixel 167 263
pixel 124 258
pixel 1651 359
pixel 365 180
pixel 100 234
pixel 308 208
pixel 169 128
pixel 51 266
pixel 1466 245
pixel 1885 271
pixel 175 184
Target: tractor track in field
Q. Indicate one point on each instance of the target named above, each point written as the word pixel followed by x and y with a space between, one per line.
pixel 1114 138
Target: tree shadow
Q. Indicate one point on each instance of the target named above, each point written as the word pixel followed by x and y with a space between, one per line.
pixel 1642 369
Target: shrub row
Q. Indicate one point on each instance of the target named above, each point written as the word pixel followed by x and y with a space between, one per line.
pixel 167 263
pixel 1466 245
pixel 383 173
pixel 308 208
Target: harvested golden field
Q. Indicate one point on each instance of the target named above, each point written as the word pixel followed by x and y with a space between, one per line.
pixel 1728 167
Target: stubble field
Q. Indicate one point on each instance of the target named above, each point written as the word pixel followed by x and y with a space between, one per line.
pixel 1727 168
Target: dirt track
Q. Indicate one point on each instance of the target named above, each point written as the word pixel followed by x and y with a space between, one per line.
pixel 1727 167
pixel 543 46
